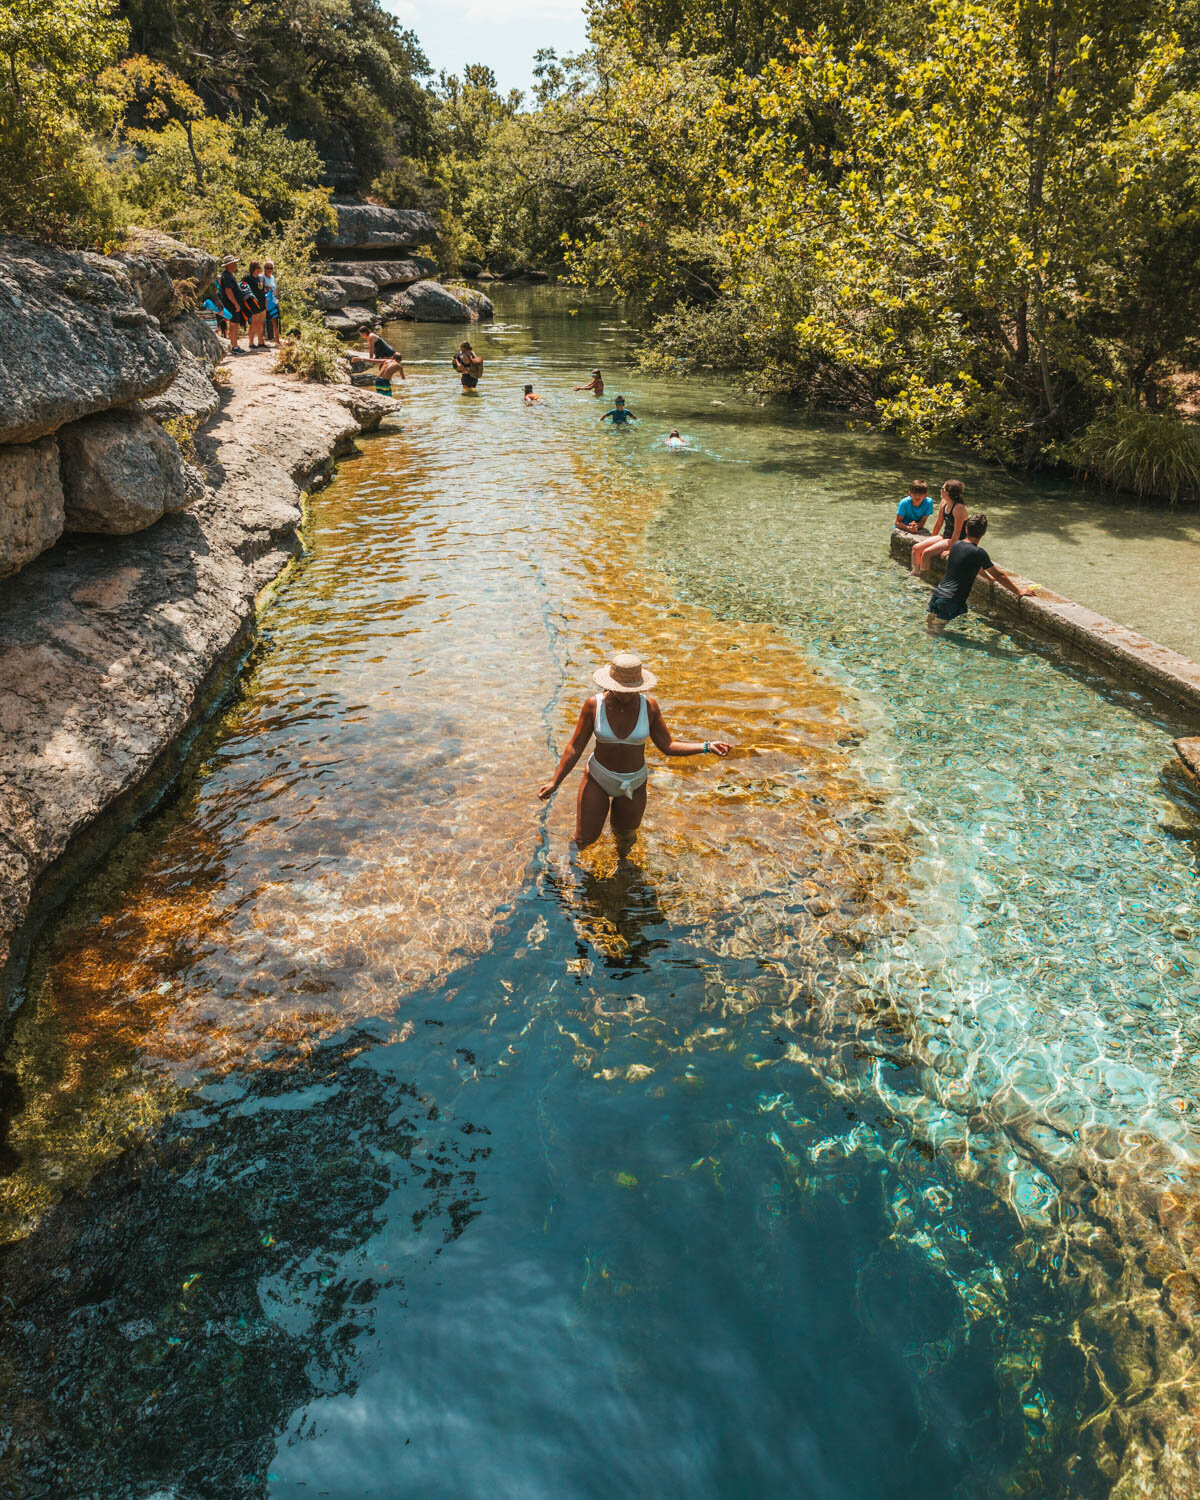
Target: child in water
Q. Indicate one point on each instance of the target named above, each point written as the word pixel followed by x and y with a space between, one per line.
pixel 915 509
pixel 620 414
pixel 595 384
pixel 674 440
pixel 531 396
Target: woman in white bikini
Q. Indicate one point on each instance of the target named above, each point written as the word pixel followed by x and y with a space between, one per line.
pixel 622 718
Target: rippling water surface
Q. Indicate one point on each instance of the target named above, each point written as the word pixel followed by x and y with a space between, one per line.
pixel 842 1143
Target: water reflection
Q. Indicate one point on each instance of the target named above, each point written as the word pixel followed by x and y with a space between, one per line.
pixel 779 1187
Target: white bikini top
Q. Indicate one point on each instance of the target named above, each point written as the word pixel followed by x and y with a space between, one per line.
pixel 641 730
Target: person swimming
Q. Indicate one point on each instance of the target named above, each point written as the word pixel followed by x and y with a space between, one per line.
pixel 531 396
pixel 622 718
pixel 674 440
pixel 595 384
pixel 620 414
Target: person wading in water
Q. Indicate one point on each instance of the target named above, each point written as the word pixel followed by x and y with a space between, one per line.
pixel 469 366
pixel 622 718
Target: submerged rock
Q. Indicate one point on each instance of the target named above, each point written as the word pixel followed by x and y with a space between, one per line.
pixel 73 340
pixel 31 502
pixel 120 473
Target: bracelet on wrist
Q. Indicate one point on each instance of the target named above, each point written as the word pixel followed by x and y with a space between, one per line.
pixel 706 749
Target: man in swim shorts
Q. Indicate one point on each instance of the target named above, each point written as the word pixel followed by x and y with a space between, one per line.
pixel 966 561
pixel 620 414
pixel 469 366
pixel 380 352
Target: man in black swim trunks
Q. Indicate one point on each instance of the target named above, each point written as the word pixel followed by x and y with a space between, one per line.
pixel 966 561
pixel 469 366
pixel 380 352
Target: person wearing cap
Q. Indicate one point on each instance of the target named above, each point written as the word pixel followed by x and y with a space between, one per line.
pixel 622 718
pixel 595 384
pixel 237 316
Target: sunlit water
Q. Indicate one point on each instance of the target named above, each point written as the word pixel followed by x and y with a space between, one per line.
pixel 842 1143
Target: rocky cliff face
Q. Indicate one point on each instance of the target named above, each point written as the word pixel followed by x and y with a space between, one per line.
pixel 365 227
pixel 92 348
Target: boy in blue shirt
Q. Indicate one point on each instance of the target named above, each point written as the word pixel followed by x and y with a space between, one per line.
pixel 619 414
pixel 915 509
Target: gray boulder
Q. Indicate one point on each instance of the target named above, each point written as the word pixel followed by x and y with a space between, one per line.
pixel 383 274
pixel 356 289
pixel 191 394
pixel 31 502
pixel 367 226
pixel 120 473
pixel 428 302
pixel 73 340
pixel 151 284
pixel 480 305
pixel 346 321
pixel 189 331
pixel 182 263
pixel 328 294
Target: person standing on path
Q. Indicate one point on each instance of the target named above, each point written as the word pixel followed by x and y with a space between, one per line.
pixel 966 561
pixel 257 305
pixel 622 718
pixel 469 366
pixel 237 316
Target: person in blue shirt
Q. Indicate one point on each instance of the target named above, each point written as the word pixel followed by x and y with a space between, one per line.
pixel 915 509
pixel 620 414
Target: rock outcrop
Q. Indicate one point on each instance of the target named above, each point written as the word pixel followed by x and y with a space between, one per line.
pixel 367 226
pixel 384 275
pixel 120 473
pixel 108 646
pixel 187 267
pixel 73 340
pixel 430 302
pixel 31 502
pixel 191 396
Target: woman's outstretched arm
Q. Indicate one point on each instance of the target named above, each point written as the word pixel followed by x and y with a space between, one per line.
pixel 575 748
pixel 661 736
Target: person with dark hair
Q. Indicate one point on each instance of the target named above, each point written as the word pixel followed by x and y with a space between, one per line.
pixel 620 414
pixel 915 509
pixel 531 396
pixel 966 561
pixel 380 352
pixel 233 303
pixel 254 293
pixel 595 384
pixel 951 517
pixel 469 366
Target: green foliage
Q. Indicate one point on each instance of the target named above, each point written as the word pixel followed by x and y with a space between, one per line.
pixel 1154 454
pixel 311 351
pixel 53 184
pixel 183 430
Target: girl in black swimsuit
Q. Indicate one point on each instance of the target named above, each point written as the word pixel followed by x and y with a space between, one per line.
pixel 951 517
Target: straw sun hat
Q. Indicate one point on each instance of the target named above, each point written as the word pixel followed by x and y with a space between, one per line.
pixel 625 674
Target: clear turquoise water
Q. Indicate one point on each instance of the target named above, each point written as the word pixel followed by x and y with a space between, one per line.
pixel 361 1147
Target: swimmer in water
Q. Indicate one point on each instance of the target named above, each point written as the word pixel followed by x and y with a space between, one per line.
pixel 531 396
pixel 620 414
pixel 595 384
pixel 675 441
pixel 622 717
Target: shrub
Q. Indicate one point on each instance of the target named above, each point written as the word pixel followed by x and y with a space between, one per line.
pixel 313 352
pixel 1154 454
pixel 183 430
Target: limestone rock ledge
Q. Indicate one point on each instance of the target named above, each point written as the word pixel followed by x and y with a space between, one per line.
pixel 109 645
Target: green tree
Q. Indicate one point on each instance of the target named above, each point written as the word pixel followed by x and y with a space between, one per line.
pixel 53 184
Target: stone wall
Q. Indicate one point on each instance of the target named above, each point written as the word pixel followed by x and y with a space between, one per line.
pixel 1127 658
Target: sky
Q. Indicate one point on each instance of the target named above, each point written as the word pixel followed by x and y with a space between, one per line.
pixel 504 34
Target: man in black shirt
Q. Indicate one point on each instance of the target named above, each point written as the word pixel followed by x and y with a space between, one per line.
pixel 965 562
pixel 237 314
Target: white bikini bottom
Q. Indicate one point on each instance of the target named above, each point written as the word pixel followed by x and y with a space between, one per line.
pixel 616 783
